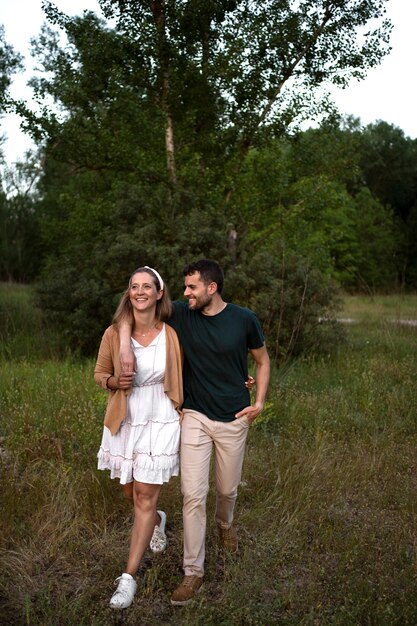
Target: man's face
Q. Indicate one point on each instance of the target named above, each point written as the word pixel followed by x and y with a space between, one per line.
pixel 198 294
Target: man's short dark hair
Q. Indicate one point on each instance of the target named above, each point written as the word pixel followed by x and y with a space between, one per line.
pixel 210 272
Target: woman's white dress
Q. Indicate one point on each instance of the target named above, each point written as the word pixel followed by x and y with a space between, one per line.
pixel 146 446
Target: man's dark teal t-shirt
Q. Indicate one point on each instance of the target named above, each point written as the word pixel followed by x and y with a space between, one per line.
pixel 216 358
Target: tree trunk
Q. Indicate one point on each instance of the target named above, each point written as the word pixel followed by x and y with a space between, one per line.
pixel 158 11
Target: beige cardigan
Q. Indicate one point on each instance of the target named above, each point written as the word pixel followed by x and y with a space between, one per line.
pixel 108 364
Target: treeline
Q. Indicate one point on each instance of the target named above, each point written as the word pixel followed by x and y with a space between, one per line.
pixel 173 136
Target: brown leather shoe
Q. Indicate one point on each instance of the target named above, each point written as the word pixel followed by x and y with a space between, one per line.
pixel 184 594
pixel 228 539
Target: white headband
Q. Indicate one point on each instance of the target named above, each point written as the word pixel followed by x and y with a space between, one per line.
pixel 161 282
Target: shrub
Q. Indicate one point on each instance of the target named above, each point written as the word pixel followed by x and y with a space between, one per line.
pixel 294 302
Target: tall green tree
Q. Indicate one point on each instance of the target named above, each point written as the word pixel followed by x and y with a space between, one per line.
pixel 380 244
pixel 389 167
pixel 13 220
pixel 215 73
pixel 369 232
pixel 20 240
pixel 155 119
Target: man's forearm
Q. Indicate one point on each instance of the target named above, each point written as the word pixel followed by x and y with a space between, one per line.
pixel 262 381
pixel 127 359
pixel 124 333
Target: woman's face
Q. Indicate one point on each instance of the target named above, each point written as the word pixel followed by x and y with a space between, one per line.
pixel 142 293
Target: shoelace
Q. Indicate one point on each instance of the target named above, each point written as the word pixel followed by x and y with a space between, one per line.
pixel 124 587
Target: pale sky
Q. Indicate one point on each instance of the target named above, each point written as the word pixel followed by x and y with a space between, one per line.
pixel 388 92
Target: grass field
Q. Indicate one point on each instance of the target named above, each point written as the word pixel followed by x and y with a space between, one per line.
pixel 326 514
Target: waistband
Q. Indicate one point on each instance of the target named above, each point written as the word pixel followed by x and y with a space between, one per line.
pixel 159 382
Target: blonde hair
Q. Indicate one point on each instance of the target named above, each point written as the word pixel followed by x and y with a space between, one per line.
pixel 124 311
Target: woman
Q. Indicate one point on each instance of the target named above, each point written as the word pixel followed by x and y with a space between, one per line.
pixel 141 433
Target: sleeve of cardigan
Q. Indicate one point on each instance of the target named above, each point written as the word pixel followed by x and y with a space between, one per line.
pixel 104 366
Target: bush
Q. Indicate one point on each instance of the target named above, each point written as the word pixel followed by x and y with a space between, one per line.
pixel 294 302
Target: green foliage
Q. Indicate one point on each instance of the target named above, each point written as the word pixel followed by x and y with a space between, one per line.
pixel 322 225
pixel 409 259
pixel 388 162
pixel 306 193
pixel 389 166
pixel 294 302
pixel 331 151
pixel 147 233
pixel 213 73
pixel 167 143
pixel 10 62
pixel 20 245
pixel 380 244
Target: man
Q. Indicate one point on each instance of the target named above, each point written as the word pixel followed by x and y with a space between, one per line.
pixel 216 337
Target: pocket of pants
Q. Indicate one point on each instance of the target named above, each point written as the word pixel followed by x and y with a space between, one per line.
pixel 190 430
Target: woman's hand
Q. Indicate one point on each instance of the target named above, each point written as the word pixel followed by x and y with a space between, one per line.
pixel 124 381
pixel 250 383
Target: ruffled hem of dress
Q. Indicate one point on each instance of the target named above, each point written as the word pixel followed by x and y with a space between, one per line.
pixel 143 467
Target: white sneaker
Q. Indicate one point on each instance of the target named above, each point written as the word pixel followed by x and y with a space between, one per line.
pixel 125 592
pixel 159 540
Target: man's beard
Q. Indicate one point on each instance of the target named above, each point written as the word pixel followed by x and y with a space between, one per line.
pixel 201 303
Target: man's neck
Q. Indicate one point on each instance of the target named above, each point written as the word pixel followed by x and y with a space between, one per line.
pixel 215 307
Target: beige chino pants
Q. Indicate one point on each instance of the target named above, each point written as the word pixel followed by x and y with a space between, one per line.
pixel 199 435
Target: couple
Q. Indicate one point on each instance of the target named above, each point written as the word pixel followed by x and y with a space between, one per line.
pixel 141 436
